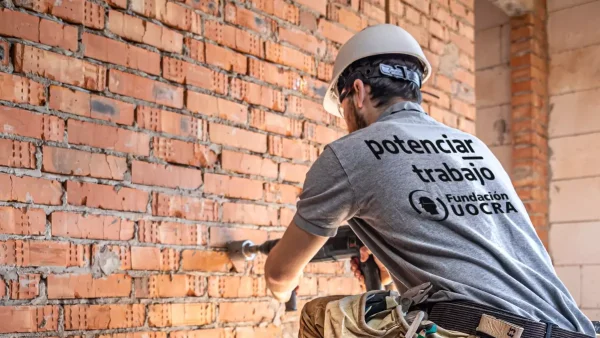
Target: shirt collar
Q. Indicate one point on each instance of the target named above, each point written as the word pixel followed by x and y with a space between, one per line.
pixel 399 107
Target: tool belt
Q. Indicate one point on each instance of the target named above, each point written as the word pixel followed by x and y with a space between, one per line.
pixel 466 317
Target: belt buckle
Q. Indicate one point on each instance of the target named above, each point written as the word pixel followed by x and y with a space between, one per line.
pixel 414 296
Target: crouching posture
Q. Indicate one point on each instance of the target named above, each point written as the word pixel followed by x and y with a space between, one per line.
pixel 432 204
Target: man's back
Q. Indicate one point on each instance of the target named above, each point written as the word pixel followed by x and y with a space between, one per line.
pixel 435 205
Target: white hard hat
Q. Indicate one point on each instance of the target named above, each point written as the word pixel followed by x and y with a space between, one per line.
pixel 373 40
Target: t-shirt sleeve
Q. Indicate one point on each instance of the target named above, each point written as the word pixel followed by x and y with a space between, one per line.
pixel 327 199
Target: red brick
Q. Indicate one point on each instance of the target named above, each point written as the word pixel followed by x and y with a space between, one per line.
pixel 172 233
pixel 171 123
pixel 308 109
pixel 138 334
pixel 17 154
pixel 235 187
pixel 26 287
pixel 317 5
pixel 17 121
pixel 235 38
pixel 191 208
pixel 377 13
pixel 339 285
pixel 465 77
pixel 292 149
pixel 421 5
pixel 286 216
pixel 145 89
pixel 165 175
pixel 170 13
pixel 308 20
pixel 226 59
pixel 396 7
pixel 462 12
pixel 210 261
pixel 443 15
pixel 106 197
pixel 29 318
pixel 82 163
pixel 308 286
pixel 239 138
pixel 75 225
pixel 19 25
pixel 248 164
pixel 191 74
pixel 60 68
pixel 138 30
pixel 278 8
pixel 22 221
pixel 293 172
pixel 103 317
pixel 75 11
pixel 30 190
pixel 281 193
pixel 84 104
pixel 152 258
pixel 72 286
pixel 43 253
pixel 220 236
pixel 273 74
pixel 195 48
pixel 211 105
pixel 320 134
pixel 108 137
pixel 161 315
pixel 302 40
pixel 55 34
pixel 249 214
pixel 347 18
pixel 262 332
pixel 257 94
pixel 175 151
pixel 275 123
pixel 117 52
pixel 325 71
pixel 463 44
pixel 169 286
pixel 236 287
pixel 465 109
pixel 246 18
pixel 118 3
pixel 290 57
pixel 245 312
pixel 18 89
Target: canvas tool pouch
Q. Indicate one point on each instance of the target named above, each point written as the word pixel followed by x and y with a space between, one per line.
pixel 347 317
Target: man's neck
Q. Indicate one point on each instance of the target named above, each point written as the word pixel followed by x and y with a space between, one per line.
pixel 374 116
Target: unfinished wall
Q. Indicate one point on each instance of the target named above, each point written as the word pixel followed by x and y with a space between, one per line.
pixel 493 89
pixel 138 137
pixel 574 133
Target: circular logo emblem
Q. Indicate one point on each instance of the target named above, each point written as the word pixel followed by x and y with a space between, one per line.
pixel 428 205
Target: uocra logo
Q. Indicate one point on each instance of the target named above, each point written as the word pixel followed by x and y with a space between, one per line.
pixel 428 206
pixel 438 209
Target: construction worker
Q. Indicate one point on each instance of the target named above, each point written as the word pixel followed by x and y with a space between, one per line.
pixel 432 203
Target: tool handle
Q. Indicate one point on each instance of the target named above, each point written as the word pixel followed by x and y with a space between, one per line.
pixel 291 304
pixel 370 272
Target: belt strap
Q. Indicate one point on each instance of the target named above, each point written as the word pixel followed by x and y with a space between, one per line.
pixel 465 317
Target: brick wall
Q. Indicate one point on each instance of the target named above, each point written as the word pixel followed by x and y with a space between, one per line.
pixel 574 132
pixel 139 137
pixel 492 62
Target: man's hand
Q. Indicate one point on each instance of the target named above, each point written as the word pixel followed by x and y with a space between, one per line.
pixel 364 255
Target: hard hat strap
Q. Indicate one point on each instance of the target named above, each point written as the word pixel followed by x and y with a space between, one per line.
pixel 368 72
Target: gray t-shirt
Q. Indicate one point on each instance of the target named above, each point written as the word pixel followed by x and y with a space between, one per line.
pixel 435 205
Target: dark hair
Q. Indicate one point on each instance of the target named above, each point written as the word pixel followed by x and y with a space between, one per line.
pixel 384 88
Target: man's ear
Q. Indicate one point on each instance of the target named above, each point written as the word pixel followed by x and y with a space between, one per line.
pixel 359 92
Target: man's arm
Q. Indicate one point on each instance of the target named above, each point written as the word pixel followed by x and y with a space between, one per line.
pixel 288 258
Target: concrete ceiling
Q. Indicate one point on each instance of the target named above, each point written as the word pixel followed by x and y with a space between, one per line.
pixel 514 7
